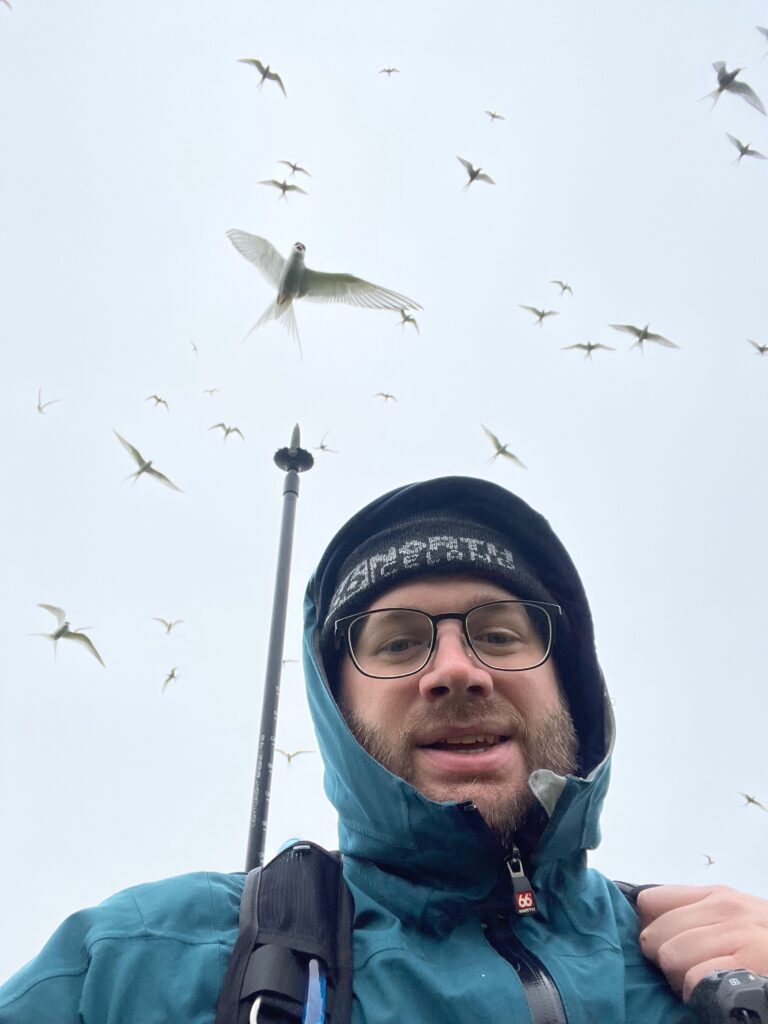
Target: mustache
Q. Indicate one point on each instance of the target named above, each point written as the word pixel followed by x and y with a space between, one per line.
pixel 460 712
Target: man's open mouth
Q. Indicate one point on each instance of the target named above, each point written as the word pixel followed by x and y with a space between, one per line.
pixel 466 744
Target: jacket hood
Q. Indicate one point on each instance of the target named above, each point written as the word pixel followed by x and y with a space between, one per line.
pixel 385 820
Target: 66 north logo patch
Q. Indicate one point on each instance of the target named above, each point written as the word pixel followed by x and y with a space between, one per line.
pixel 525 902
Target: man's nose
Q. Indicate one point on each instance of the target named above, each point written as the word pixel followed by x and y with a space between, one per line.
pixel 454 669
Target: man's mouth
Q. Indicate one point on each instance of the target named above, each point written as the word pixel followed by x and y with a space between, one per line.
pixel 467 744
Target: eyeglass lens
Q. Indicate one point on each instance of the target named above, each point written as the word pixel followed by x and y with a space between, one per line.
pixel 507 635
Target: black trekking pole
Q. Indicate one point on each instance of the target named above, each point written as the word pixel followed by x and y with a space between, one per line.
pixel 293 460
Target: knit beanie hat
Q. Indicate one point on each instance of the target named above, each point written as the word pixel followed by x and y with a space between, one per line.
pixel 430 543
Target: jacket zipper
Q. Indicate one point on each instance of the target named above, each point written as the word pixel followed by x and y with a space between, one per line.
pixel 542 996
pixel 543 999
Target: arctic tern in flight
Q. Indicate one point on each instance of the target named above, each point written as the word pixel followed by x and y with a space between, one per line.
pixel 294 280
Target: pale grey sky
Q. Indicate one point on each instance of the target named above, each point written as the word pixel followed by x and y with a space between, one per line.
pixel 132 140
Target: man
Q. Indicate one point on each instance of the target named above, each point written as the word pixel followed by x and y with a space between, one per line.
pixel 466 735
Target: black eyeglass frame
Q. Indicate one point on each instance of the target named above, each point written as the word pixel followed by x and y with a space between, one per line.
pixel 342 627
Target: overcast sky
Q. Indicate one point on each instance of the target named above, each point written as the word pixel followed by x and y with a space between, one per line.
pixel 132 140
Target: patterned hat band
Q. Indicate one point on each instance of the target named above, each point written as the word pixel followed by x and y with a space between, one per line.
pixel 426 545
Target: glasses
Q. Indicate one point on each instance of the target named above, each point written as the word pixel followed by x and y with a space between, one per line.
pixel 511 636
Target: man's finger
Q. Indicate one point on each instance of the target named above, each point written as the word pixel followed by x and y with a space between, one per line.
pixel 659 899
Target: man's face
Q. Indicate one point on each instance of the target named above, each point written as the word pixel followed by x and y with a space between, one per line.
pixel 519 719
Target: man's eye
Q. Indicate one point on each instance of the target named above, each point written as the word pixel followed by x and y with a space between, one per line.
pixel 398 645
pixel 497 638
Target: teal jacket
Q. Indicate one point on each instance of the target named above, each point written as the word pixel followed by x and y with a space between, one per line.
pixel 430 884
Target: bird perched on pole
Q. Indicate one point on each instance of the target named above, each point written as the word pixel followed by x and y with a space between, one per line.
pixel 726 82
pixel 265 71
pixel 294 280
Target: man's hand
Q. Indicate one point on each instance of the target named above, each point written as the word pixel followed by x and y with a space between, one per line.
pixel 690 931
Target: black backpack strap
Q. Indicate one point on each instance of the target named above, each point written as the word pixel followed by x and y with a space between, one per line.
pixel 295 928
pixel 632 891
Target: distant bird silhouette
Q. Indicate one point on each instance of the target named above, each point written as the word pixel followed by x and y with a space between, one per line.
pixel 290 756
pixel 754 801
pixel 540 314
pixel 588 348
pixel 284 187
pixel 145 465
pixel 726 82
pixel 210 391
pixel 389 72
pixel 563 286
pixel 168 625
pixel 171 677
pixel 501 449
pixel 194 348
pixel 761 349
pixel 406 318
pixel 385 395
pixel 708 859
pixel 494 116
pixel 265 71
pixel 227 430
pixel 643 334
pixel 158 401
pixel 41 405
pixel 475 173
pixel 295 167
pixel 745 149
pixel 323 447
pixel 63 632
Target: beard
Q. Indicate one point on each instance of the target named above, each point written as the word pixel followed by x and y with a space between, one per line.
pixel 548 742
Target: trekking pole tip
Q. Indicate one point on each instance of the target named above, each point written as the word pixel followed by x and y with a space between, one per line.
pixel 294 456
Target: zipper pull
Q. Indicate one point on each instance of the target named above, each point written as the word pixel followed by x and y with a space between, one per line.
pixel 523 899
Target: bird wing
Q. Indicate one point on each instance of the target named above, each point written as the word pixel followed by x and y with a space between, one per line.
pixel 252 60
pixel 755 345
pixel 719 67
pixel 217 425
pixel 260 252
pixel 762 31
pixel 627 328
pixel 163 479
pixel 276 78
pixel 129 448
pixel 582 346
pixel 237 430
pixel 485 177
pixel 549 312
pixel 467 165
pixel 164 621
pixel 58 612
pixel 532 309
pixel 748 94
pixel 661 340
pixel 608 348
pixel 354 291
pixel 737 143
pixel 81 638
pixel 270 181
pixel 514 458
pixel 296 188
pixel 492 438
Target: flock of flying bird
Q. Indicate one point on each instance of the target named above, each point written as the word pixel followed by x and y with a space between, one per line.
pixel 292 279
